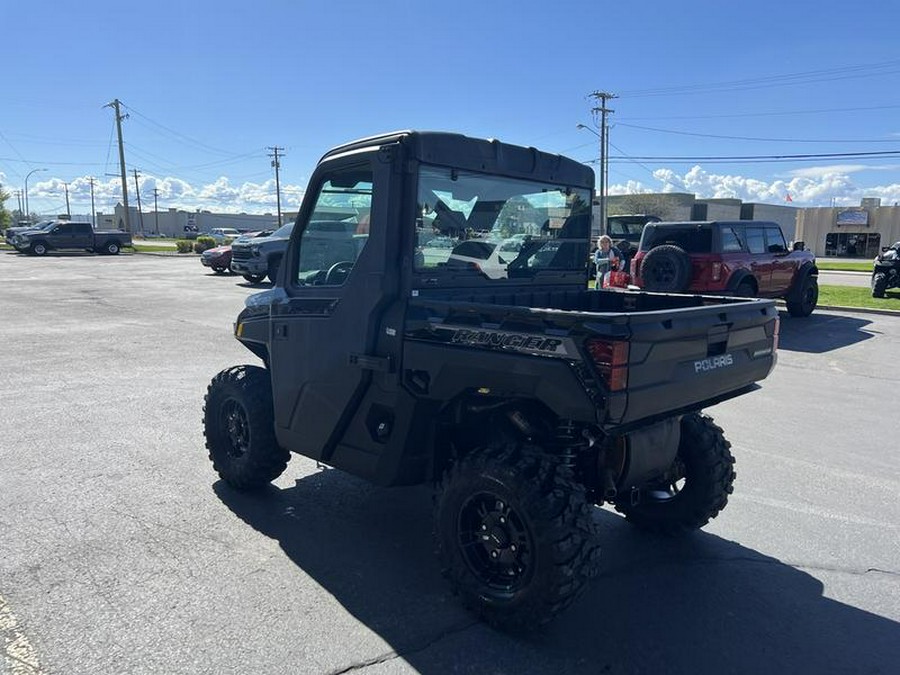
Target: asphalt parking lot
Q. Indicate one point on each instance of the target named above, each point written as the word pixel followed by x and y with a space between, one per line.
pixel 120 552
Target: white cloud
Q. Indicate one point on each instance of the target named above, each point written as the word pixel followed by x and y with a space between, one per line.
pixel 217 196
pixel 815 186
pixel 820 171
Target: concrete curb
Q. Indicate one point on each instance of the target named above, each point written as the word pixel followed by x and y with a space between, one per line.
pixel 858 310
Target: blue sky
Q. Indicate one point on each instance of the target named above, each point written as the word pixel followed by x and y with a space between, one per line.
pixel 208 86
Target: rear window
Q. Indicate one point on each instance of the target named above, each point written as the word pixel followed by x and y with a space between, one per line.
pixel 691 238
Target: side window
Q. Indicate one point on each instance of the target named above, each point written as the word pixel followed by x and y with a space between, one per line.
pixel 775 239
pixel 731 240
pixel 756 239
pixel 63 229
pixel 338 227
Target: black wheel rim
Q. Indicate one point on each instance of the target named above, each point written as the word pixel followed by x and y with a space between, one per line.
pixel 237 428
pixel 663 273
pixel 495 543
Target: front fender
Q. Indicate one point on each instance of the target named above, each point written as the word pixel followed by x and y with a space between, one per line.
pixel 806 269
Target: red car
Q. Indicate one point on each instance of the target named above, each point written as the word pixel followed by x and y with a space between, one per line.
pixel 742 257
pixel 219 258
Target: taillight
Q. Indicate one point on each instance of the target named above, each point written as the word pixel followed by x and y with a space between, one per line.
pixel 717 271
pixel 611 359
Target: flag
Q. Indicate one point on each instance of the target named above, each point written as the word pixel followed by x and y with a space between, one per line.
pixel 787 197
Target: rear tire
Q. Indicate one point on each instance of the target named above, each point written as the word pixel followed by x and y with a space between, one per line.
pixel 666 269
pixel 111 248
pixel 745 289
pixel 514 535
pixel 239 426
pixel 879 284
pixel 808 298
pixel 697 486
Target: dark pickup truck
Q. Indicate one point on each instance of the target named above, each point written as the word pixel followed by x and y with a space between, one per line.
pixel 67 235
pixel 444 334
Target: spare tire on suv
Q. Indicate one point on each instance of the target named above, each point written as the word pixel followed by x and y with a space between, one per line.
pixel 666 268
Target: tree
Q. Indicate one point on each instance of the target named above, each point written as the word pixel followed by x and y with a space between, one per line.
pixel 5 218
pixel 651 204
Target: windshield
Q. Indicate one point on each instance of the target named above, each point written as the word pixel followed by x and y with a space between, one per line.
pixel 498 227
pixel 283 232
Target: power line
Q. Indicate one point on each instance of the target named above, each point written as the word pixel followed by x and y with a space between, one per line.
pixel 752 138
pixel 748 159
pixel 805 77
pixel 784 113
pixel 178 133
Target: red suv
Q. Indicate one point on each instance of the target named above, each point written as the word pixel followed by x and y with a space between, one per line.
pixel 746 258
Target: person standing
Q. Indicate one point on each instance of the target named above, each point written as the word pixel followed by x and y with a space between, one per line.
pixel 606 258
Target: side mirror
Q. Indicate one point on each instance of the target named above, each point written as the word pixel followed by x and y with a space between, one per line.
pixel 885 249
pixel 799 246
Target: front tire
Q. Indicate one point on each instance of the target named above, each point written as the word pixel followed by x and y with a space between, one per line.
pixel 696 487
pixel 879 284
pixel 808 298
pixel 239 426
pixel 514 535
pixel 254 278
pixel 38 248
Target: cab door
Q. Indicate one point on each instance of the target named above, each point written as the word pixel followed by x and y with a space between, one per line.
pixel 331 296
pixel 783 267
pixel 760 259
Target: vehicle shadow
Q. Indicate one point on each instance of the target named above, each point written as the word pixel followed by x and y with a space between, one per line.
pixel 821 332
pixel 700 604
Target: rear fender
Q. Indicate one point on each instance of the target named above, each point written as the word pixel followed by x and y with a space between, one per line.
pixel 738 278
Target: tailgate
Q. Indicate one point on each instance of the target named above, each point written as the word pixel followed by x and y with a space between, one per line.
pixel 689 358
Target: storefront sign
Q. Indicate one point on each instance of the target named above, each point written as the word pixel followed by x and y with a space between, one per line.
pixel 853 217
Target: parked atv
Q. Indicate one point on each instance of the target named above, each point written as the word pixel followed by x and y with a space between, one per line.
pixel 886 271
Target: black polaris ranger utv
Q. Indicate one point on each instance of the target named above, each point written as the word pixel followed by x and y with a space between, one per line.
pixel 431 323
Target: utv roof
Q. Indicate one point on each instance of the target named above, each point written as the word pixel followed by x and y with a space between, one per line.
pixel 710 223
pixel 477 154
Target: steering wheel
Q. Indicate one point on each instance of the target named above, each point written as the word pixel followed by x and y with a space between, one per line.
pixel 337 273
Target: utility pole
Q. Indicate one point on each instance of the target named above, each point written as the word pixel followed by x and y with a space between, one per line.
pixel 93 217
pixel 603 97
pixel 19 200
pixel 277 165
pixel 119 117
pixel 68 210
pixel 137 191
pixel 156 209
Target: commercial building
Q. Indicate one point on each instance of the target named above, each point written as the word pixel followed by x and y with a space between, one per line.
pixel 856 232
pixel 175 222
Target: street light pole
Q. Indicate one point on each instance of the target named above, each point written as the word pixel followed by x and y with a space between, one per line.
pixel 27 176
